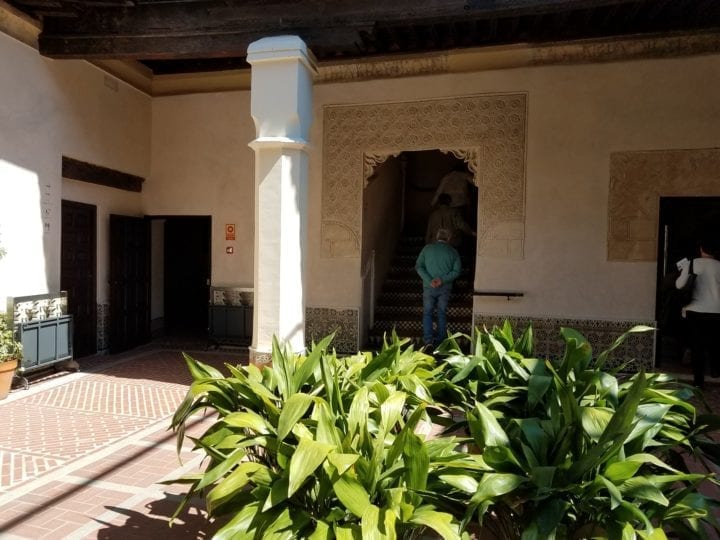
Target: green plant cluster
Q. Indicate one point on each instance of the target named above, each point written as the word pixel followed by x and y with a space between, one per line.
pixel 10 348
pixel 320 446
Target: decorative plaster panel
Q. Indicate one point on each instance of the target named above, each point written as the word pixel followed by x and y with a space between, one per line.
pixel 615 49
pixel 488 131
pixel 320 322
pixel 638 180
pixel 637 351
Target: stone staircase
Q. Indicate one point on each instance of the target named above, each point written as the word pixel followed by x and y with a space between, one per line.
pixel 399 305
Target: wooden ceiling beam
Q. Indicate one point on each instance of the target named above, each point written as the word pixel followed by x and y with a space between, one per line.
pixel 322 41
pixel 191 28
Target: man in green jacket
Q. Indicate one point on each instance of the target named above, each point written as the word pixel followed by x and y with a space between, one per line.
pixel 438 265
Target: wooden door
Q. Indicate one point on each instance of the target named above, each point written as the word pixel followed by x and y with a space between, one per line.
pixel 78 273
pixel 129 282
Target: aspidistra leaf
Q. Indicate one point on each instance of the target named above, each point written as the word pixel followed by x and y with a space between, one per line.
pixel 352 494
pixel 342 462
pixel 493 434
pixel 440 522
pixel 308 457
pixel 293 410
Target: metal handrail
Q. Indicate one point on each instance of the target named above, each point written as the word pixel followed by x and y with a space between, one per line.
pixel 506 294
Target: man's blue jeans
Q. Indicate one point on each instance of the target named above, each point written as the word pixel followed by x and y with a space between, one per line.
pixel 435 298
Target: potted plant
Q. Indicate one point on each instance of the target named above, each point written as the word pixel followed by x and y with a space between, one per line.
pixel 10 355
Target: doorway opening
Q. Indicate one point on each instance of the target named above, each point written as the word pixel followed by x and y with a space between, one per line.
pixel 423 176
pixel 682 221
pixel 181 267
pixel 397 204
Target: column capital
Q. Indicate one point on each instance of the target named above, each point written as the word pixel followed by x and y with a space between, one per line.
pixel 280 48
pixel 281 94
pixel 267 143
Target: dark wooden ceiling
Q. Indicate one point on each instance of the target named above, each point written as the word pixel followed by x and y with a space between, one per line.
pixel 176 36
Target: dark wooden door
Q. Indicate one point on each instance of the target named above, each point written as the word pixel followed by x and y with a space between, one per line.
pixel 683 220
pixel 129 282
pixel 187 274
pixel 78 273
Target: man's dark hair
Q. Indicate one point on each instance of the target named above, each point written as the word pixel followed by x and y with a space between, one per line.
pixel 710 244
pixel 444 199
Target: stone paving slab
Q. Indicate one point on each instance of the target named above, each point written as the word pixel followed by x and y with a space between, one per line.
pixel 84 454
pixel 98 394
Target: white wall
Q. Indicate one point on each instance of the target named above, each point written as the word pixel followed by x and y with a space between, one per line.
pixel 50 108
pixel 202 165
pixel 577 116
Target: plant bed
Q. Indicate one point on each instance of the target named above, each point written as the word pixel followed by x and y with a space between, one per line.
pixel 321 446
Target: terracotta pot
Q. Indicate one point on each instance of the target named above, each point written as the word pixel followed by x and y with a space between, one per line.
pixel 7 370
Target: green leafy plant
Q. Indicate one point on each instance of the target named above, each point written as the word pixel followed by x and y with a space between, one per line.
pixel 319 446
pixel 10 348
pixel 570 450
pixel 324 447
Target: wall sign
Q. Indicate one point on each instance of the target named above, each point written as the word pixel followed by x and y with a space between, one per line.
pixel 229 231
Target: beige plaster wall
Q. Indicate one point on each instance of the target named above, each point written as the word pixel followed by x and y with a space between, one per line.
pixel 50 108
pixel 577 116
pixel 202 165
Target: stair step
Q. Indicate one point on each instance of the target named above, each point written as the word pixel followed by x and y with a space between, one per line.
pixel 414 328
pixel 407 310
pixel 409 273
pixel 406 285
pixel 414 297
pixel 399 305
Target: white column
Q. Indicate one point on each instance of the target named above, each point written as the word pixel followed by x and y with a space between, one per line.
pixel 281 106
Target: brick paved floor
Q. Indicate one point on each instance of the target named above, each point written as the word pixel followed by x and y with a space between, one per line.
pixel 82 454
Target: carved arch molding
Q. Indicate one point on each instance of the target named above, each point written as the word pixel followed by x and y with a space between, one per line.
pixel 638 180
pixel 488 131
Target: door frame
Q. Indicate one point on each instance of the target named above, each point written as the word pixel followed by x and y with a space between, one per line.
pixel 673 247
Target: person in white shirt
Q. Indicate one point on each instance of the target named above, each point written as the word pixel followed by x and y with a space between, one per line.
pixel 703 311
pixel 456 183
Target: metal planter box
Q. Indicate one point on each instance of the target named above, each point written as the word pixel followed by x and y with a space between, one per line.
pixel 44 328
pixel 46 342
pixel 231 324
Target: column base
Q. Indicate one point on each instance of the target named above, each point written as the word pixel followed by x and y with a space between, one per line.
pixel 259 358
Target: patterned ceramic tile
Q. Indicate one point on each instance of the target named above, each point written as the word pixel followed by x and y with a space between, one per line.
pixel 637 351
pixel 103 328
pixel 320 322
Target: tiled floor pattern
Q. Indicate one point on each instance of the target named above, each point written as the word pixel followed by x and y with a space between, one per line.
pixel 81 455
